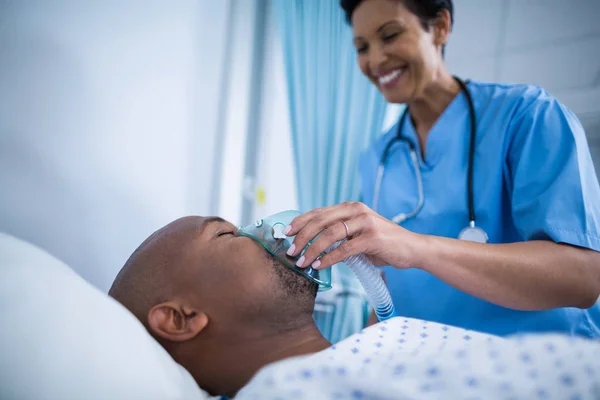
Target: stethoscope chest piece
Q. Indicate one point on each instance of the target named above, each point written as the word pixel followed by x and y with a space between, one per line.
pixel 473 233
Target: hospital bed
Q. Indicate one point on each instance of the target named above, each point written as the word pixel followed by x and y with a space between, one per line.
pixel 62 338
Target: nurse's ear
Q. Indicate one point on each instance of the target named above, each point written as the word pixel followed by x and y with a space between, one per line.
pixel 441 27
pixel 176 321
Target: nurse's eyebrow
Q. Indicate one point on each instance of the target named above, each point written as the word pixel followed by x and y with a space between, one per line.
pixel 394 22
pixel 381 27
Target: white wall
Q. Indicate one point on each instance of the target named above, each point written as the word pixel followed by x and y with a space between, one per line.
pixel 108 118
pixel 552 43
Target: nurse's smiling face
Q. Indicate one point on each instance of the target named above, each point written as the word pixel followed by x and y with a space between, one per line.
pixel 398 52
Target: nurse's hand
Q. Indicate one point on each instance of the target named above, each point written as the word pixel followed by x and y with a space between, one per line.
pixel 382 241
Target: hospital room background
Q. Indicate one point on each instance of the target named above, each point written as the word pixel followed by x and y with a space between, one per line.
pixel 117 117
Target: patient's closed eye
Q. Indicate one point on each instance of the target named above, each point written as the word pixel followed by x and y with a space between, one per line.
pixel 225 233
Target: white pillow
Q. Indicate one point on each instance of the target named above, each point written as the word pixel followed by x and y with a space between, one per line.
pixel 62 339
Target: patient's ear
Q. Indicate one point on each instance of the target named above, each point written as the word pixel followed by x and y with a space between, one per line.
pixel 176 322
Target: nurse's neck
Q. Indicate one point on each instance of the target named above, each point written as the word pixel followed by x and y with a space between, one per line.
pixel 429 106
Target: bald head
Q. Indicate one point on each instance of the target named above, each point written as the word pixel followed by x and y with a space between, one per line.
pixel 203 261
pixel 216 301
pixel 153 272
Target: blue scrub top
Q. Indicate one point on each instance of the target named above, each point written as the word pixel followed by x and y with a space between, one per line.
pixel 533 180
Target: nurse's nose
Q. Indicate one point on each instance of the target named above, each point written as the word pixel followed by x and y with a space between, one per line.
pixel 377 59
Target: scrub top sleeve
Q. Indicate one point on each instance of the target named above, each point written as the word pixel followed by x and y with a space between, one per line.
pixel 554 190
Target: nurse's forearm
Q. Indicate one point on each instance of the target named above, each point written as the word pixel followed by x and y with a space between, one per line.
pixel 534 275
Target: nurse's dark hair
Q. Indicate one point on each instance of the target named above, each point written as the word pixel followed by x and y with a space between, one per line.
pixel 426 10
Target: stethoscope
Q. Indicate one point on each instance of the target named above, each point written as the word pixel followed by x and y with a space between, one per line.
pixel 471 232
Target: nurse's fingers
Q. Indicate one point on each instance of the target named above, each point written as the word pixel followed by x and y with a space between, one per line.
pixel 329 236
pixel 300 222
pixel 354 246
pixel 307 226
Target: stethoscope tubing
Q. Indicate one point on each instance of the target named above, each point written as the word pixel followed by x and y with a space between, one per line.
pixel 414 158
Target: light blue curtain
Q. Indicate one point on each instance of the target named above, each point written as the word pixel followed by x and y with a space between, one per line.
pixel 335 113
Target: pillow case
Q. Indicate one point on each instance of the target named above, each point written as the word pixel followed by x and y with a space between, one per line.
pixel 62 338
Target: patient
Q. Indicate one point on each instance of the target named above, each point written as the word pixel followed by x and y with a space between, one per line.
pixel 220 304
pixel 224 309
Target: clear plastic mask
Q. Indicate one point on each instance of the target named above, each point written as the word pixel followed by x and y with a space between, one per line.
pixel 269 233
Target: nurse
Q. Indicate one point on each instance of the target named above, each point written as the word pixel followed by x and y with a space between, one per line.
pixel 482 202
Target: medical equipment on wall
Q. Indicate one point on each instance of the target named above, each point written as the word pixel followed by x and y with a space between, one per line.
pixel 471 232
pixel 269 233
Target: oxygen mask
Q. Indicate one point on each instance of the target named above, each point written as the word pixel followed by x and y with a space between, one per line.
pixel 269 233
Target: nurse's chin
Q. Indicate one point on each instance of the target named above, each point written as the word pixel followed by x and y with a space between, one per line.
pixel 399 93
pixel 396 96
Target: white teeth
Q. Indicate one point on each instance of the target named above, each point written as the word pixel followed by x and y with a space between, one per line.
pixel 385 79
